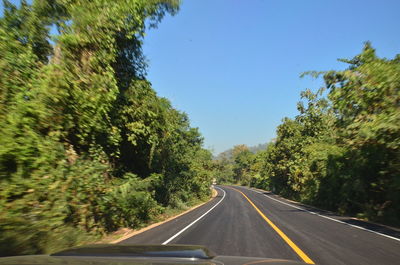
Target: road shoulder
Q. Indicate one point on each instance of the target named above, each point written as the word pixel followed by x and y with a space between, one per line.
pixel 380 229
pixel 125 233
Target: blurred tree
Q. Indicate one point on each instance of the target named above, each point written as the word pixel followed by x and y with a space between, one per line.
pixel 87 146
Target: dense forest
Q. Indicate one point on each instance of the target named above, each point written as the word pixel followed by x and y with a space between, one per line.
pixel 342 151
pixel 86 145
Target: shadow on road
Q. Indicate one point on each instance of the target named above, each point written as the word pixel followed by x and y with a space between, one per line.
pixel 268 193
pixel 374 227
pixel 390 231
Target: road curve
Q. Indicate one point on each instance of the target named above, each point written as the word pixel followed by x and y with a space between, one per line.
pixel 236 223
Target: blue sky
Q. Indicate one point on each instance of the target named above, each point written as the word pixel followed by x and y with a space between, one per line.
pixel 233 65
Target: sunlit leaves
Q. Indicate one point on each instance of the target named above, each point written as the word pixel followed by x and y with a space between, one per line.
pixel 342 151
pixel 87 146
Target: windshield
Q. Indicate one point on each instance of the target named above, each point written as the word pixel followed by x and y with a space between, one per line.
pixel 267 129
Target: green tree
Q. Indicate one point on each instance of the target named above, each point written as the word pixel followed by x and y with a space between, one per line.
pixel 342 151
pixel 87 146
pixel 242 158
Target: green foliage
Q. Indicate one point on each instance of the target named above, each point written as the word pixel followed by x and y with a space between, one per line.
pixel 224 170
pixel 87 146
pixel 233 166
pixel 342 152
pixel 242 158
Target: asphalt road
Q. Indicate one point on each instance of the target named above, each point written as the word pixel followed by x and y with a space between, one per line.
pixel 245 222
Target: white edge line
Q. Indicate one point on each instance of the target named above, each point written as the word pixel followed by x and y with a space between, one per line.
pixel 329 218
pixel 192 223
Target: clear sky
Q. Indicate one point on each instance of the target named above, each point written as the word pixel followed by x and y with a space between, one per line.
pixel 233 65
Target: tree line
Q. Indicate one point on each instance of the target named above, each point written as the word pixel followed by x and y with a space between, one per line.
pixel 86 145
pixel 342 151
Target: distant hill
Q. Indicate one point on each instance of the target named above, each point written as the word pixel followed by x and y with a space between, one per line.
pixel 228 153
pixel 255 149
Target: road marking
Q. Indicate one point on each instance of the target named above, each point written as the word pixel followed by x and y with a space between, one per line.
pixel 195 221
pixel 296 249
pixel 330 218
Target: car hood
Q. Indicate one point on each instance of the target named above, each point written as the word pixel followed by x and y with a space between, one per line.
pixel 134 255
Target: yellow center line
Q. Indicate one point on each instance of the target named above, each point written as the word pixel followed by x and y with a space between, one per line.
pixel 296 249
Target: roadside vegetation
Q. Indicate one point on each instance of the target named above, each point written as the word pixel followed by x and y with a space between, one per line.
pixel 86 145
pixel 342 151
